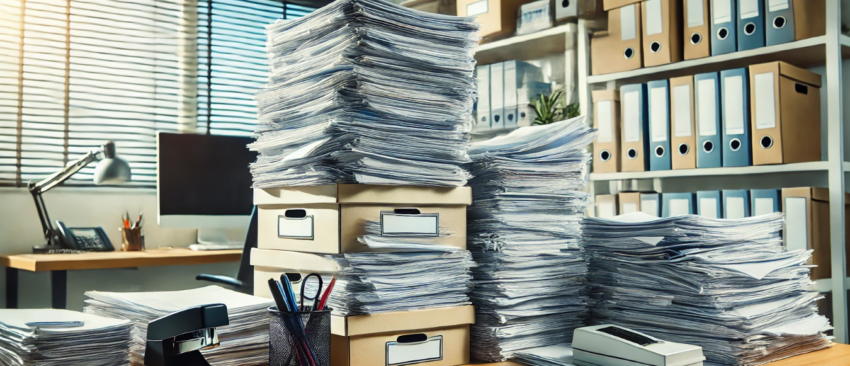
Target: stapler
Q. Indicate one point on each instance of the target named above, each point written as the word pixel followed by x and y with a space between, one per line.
pixel 177 338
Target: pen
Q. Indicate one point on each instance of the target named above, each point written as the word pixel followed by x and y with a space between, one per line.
pixel 326 295
pixel 138 222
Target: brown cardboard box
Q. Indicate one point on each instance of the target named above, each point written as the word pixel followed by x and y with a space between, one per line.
pixel 432 337
pixel 683 139
pixel 497 17
pixel 629 202
pixel 618 49
pixel 273 263
pixel 809 18
pixel 606 205
pixel 329 218
pixel 606 119
pixel 785 110
pixel 662 32
pixel 697 38
pixel 807 225
pixel 447 7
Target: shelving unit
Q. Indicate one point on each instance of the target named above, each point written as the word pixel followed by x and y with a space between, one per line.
pixel 828 51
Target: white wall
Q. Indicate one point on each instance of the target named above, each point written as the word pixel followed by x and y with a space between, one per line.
pixel 80 207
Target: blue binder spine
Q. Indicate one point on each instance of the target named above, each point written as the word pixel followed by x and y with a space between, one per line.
pixel 750 24
pixel 709 204
pixel 736 203
pixel 659 121
pixel 675 204
pixel 779 22
pixel 765 201
pixel 734 91
pixel 723 17
pixel 707 104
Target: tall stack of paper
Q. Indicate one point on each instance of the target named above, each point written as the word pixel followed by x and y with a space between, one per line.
pixel 366 91
pixel 244 342
pixel 524 231
pixel 725 285
pixel 98 341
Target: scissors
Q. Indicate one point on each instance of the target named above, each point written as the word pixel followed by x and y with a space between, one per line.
pixel 316 298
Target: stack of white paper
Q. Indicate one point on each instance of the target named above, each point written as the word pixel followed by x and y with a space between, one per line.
pixel 366 91
pixel 244 342
pixel 99 341
pixel 555 355
pixel 725 285
pixel 524 230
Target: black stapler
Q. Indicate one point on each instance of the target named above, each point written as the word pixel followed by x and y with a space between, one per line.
pixel 176 339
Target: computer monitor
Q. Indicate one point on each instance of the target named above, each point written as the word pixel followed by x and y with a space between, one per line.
pixel 203 182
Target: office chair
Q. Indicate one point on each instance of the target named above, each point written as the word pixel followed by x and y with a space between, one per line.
pixel 244 281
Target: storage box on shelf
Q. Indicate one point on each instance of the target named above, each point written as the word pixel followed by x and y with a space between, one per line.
pixel 498 18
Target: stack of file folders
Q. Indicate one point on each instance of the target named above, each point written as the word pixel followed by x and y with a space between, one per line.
pixel 366 91
pixel 725 285
pixel 245 341
pixel 524 233
pixel 98 342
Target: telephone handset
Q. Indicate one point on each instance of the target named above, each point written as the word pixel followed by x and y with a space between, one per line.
pixel 89 239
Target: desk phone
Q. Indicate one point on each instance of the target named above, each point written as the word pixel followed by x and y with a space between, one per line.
pixel 89 239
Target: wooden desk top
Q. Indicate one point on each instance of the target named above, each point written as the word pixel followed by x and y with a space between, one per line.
pixel 118 259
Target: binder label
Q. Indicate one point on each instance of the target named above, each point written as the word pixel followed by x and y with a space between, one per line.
pixel 749 8
pixel 696 13
pixel 631 116
pixel 765 101
pixel 733 102
pixel 708 207
pixel 735 208
pixel 796 223
pixel 649 207
pixel 605 119
pixel 763 206
pixel 680 207
pixel 658 113
pixel 628 27
pixel 477 8
pixel 722 11
pixel 653 17
pixel 682 110
pixel 706 108
pixel 777 5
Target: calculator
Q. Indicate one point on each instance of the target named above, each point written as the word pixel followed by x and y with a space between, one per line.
pixel 89 239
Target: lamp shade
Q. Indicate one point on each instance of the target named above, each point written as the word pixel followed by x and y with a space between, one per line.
pixel 111 171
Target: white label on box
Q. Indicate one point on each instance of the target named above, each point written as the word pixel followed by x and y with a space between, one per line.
pixel 722 11
pixel 733 100
pixel 735 208
pixel 477 8
pixel 765 101
pixel 708 207
pixel 607 209
pixel 776 5
pixel 631 116
pixel 413 353
pixel 682 114
pixel 680 207
pixel 706 107
pixel 629 207
pixel 653 17
pixel 796 223
pixel 649 206
pixel 764 206
pixel 658 115
pixel 749 8
pixel 604 110
pixel 628 26
pixel 295 227
pixel 696 13
pixel 393 224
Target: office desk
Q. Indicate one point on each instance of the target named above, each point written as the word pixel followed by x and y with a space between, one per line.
pixel 60 264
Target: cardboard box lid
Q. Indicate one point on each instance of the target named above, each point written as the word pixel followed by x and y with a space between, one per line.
pixel 295 261
pixel 603 95
pixel 364 194
pixel 613 4
pixel 801 75
pixel 402 321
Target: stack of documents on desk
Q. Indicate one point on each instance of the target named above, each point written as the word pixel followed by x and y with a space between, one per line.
pixel 725 285
pixel 244 342
pixel 99 341
pixel 366 91
pixel 383 282
pixel 524 232
pixel 554 355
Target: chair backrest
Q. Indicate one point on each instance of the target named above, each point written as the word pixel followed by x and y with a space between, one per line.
pixel 246 271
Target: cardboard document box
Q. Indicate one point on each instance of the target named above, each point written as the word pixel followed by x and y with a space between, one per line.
pixel 785 108
pixel 634 129
pixel 709 204
pixel 662 32
pixel 497 17
pixel 682 127
pixel 429 337
pixel 697 27
pixel 793 20
pixel 618 49
pixel 807 225
pixel 606 119
pixel 296 265
pixel 573 9
pixel 329 218
pixel 629 202
pixel 447 7
pixel 606 205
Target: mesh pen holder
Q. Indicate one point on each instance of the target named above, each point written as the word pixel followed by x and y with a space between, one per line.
pixel 282 344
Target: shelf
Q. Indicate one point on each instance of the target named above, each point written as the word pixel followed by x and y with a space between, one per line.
pixel 803 53
pixel 817 166
pixel 825 284
pixel 525 47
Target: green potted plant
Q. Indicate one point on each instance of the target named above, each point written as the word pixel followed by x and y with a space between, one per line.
pixel 550 108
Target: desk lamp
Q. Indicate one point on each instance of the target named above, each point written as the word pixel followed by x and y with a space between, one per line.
pixel 110 170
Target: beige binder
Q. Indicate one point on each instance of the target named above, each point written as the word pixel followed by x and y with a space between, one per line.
pixel 683 140
pixel 606 119
pixel 696 26
pixel 662 32
pixel 618 49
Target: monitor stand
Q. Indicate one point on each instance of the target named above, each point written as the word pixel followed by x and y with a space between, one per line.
pixel 212 236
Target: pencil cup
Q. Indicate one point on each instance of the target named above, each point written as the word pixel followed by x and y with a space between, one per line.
pixel 287 344
pixel 132 239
